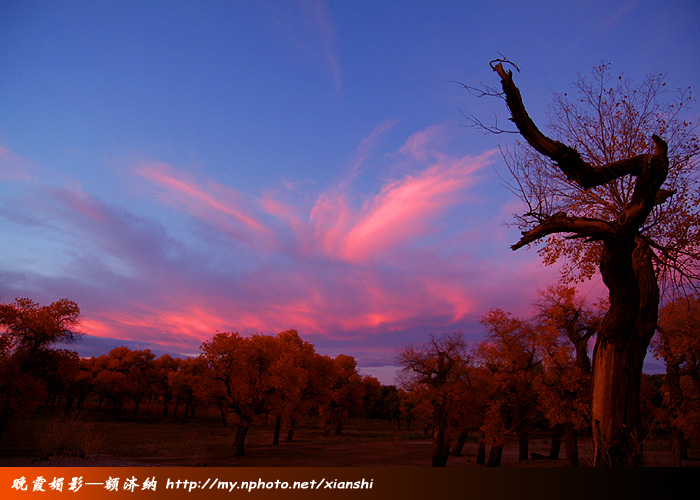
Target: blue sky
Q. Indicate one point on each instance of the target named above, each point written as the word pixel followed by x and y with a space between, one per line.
pixel 180 168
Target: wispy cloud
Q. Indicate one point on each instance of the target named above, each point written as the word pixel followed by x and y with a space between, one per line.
pixel 309 24
pixel 13 167
pixel 341 263
pixel 225 208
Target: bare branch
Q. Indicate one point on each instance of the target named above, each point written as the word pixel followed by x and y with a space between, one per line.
pixel 567 159
pixel 594 229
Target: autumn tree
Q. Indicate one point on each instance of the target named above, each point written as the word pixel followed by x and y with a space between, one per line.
pixel 436 373
pixel 32 327
pixel 381 401
pixel 161 370
pixel 565 325
pixel 240 372
pixel 81 386
pixel 21 392
pixel 28 334
pixel 184 384
pixel 122 375
pixel 678 344
pixel 60 372
pixel 344 392
pixel 509 352
pixel 613 191
pixel 294 380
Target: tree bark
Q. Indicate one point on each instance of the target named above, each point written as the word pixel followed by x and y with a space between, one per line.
pixel 620 349
pixel 481 451
pixel 676 448
pixel 571 445
pixel 495 456
pixel 459 442
pixel 441 446
pixel 241 434
pixel 278 426
pixel 523 445
pixel 556 443
pixel 290 431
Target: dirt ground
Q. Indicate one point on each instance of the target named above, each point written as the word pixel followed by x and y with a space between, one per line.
pixel 363 443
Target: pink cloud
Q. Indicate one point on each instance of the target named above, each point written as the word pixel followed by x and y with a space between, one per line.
pixel 402 210
pixel 13 167
pixel 422 145
pixel 222 206
pixel 80 201
pixel 367 146
pixel 337 264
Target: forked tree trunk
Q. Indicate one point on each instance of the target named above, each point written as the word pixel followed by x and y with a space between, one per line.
pixel 620 349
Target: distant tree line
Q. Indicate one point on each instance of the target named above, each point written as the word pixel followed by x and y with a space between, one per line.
pixel 526 375
pixel 248 380
pixel 534 374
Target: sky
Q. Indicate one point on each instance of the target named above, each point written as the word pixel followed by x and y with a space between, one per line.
pixel 182 168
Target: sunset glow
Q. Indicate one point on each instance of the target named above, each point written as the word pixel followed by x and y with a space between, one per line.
pixel 179 170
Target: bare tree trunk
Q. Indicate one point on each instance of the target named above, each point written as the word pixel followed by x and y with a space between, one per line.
pixel 495 456
pixel 441 447
pixel 523 444
pixel 571 444
pixel 676 448
pixel 241 434
pixel 481 450
pixel 556 443
pixel 278 426
pixel 290 431
pixel 620 349
pixel 459 442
